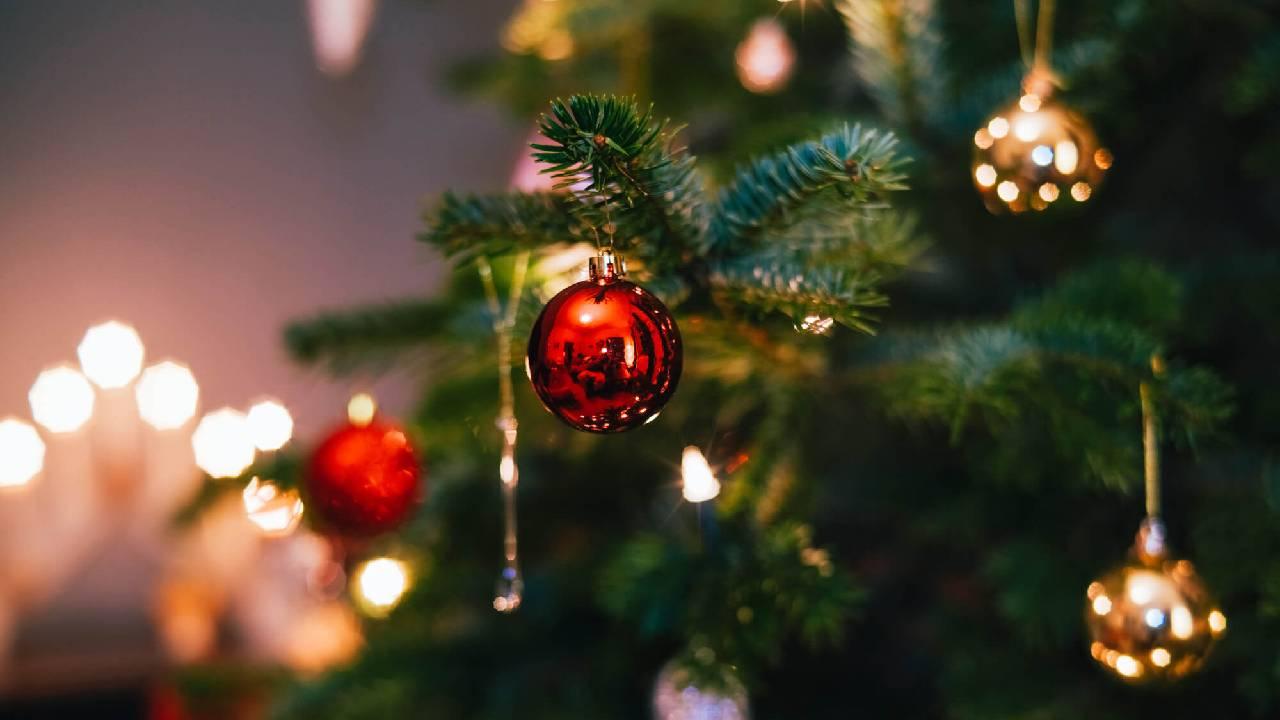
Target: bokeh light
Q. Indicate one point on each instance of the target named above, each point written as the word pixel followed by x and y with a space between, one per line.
pixel 270 425
pixel 61 399
pixel 21 453
pixel 339 29
pixel 111 354
pixel 361 409
pixel 765 58
pixel 379 585
pixel 276 512
pixel 167 395
pixel 222 444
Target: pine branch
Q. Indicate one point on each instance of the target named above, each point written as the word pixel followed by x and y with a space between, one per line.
pixel 849 170
pixel 633 170
pixel 344 340
pixel 897 51
pixel 466 226
pixel 803 294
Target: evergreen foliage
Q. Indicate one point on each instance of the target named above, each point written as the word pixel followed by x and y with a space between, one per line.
pixel 908 521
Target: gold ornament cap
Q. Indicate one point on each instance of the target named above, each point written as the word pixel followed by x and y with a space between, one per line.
pixel 606 267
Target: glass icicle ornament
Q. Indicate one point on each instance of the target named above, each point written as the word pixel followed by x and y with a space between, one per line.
pixel 1152 618
pixel 678 695
pixel 1036 153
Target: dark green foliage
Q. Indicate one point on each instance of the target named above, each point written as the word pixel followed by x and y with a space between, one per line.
pixel 963 475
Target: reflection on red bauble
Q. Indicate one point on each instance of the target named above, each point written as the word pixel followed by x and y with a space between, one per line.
pixel 605 354
pixel 363 479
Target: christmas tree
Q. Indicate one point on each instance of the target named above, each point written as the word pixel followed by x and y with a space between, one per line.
pixel 924 417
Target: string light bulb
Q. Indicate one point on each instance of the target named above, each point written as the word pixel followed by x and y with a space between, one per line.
pixel 270 425
pixel 167 395
pixel 111 354
pixel 274 511
pixel 380 584
pixel 61 399
pixel 21 453
pixel 699 483
pixel 222 443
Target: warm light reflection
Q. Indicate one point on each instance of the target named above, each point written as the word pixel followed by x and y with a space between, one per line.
pixel 1102 605
pixel 111 354
pixel 322 637
pixel 361 409
pixel 222 444
pixel 167 395
pixel 21 453
pixel 61 399
pixel 1007 190
pixel 1029 102
pixel 1048 192
pixel 1161 657
pixel 1066 157
pixel 270 425
pixel 699 483
pixel 380 584
pixel 1102 158
pixel 1217 621
pixel 765 58
pixel 1081 191
pixel 275 512
pixel 982 138
pixel 1027 127
pixel 1180 623
pixel 815 324
pixel 339 29
pixel 985 175
pixel 1127 666
pixel 1041 155
pixel 998 127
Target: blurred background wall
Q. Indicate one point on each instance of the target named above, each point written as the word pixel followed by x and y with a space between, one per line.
pixel 186 167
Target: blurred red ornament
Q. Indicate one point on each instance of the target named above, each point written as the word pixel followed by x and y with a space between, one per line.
pixel 363 479
pixel 605 354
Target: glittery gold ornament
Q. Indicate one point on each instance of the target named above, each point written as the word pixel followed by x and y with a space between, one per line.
pixel 1152 618
pixel 1037 153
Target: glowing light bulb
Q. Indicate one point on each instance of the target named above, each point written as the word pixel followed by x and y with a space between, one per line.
pixel 361 409
pixel 21 453
pixel 111 354
pixel 700 484
pixel 1007 190
pixel 985 174
pixel 1029 102
pixel 270 425
pixel 275 512
pixel 765 58
pixel 1066 157
pixel 61 399
pixel 380 583
pixel 222 444
pixel 167 395
pixel 998 127
pixel 1160 657
pixel 1048 192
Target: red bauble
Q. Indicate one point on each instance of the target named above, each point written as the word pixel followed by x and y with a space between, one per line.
pixel 605 354
pixel 363 479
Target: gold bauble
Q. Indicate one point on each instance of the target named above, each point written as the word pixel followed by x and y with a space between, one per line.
pixel 1152 618
pixel 1037 153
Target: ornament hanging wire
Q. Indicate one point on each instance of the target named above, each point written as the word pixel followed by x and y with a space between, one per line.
pixel 510 585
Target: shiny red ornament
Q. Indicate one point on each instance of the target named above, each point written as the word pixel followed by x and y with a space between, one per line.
pixel 605 354
pixel 363 479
